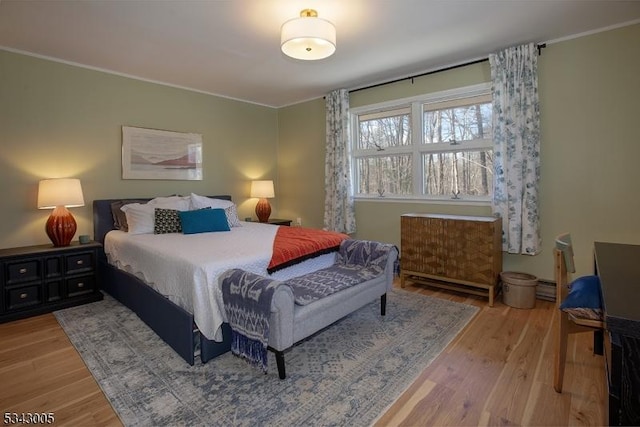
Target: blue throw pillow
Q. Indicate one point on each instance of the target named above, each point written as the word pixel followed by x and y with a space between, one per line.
pixel 203 221
pixel 584 293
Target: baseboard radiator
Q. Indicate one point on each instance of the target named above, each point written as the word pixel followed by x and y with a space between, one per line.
pixel 546 290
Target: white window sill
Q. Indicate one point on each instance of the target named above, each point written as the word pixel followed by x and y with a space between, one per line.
pixel 435 201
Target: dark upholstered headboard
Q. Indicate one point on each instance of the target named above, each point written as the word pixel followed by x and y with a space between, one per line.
pixel 103 218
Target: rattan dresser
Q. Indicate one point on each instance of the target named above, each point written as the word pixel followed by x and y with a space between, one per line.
pixel 461 253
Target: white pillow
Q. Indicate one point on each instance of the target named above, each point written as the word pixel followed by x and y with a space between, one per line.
pixel 230 210
pixel 141 216
pixel 179 203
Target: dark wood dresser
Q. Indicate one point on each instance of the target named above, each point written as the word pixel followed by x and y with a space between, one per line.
pixel 39 279
pixel 618 266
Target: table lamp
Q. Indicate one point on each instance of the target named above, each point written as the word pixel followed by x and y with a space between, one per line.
pixel 60 194
pixel 262 189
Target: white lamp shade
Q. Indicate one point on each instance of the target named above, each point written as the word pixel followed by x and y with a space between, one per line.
pixel 308 38
pixel 262 189
pixel 60 192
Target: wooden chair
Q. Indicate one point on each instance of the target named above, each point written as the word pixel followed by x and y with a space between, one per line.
pixel 568 323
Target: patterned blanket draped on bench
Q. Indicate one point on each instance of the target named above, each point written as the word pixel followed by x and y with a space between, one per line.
pixel 247 296
pixel 357 261
pixel 247 303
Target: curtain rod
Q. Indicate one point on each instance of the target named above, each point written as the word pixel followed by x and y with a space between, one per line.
pixel 453 67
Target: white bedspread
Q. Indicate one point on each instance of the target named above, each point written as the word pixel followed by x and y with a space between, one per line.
pixel 185 268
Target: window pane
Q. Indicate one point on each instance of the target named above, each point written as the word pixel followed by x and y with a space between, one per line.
pixel 466 173
pixel 460 124
pixel 387 175
pixel 380 131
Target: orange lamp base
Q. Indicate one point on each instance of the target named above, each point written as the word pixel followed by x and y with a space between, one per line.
pixel 263 210
pixel 61 226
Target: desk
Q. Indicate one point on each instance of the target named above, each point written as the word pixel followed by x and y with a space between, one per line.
pixel 618 266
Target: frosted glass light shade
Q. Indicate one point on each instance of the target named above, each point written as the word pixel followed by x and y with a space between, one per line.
pixel 308 37
pixel 262 189
pixel 60 192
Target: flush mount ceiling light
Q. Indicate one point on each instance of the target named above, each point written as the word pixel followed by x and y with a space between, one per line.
pixel 308 37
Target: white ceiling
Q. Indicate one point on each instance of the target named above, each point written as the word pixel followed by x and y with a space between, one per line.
pixel 231 47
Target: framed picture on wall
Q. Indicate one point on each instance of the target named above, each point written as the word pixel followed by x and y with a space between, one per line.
pixel 161 154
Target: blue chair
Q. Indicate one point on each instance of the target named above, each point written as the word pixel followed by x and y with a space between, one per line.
pixel 579 303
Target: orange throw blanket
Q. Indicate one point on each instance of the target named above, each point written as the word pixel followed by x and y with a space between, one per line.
pixel 293 245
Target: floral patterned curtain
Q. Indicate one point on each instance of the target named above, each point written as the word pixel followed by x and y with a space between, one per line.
pixel 339 210
pixel 516 134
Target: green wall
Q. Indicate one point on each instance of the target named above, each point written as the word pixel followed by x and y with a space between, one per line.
pixel 589 90
pixel 301 162
pixel 58 120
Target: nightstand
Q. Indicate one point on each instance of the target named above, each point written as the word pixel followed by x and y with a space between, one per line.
pixel 39 279
pixel 276 221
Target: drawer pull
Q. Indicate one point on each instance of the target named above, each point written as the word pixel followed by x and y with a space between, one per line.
pixel 23 295
pixel 81 285
pixel 79 262
pixel 22 270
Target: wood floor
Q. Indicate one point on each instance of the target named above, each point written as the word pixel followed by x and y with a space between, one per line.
pixel 498 371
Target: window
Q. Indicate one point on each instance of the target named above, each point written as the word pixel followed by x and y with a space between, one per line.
pixel 433 147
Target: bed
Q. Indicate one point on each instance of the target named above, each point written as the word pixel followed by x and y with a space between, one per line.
pixel 181 320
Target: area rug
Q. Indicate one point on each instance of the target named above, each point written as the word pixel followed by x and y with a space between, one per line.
pixel 347 374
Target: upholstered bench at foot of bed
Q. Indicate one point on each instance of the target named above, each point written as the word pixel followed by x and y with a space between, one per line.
pixel 290 323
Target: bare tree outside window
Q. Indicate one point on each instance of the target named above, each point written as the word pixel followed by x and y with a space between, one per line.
pixel 381 173
pixel 458 172
pixel 443 152
pixel 384 175
pixel 379 133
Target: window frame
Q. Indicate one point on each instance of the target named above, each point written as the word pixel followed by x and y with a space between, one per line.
pixel 480 93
